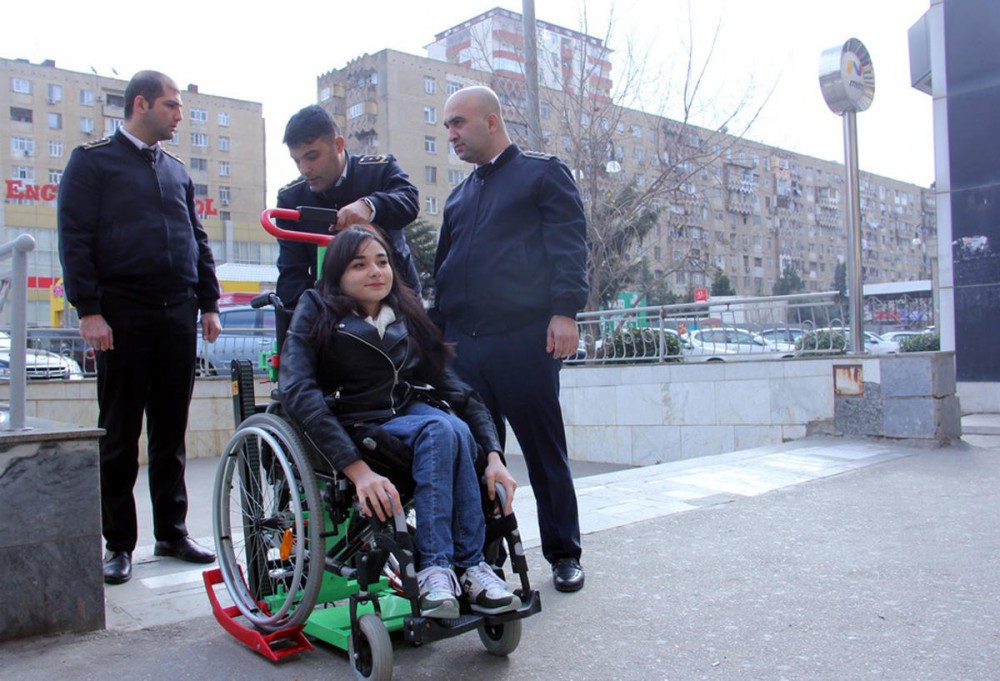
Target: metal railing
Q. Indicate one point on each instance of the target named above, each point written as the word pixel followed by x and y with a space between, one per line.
pixel 17 250
pixel 736 329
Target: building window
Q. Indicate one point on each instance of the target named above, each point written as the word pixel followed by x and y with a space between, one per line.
pixel 22 146
pixel 21 115
pixel 199 164
pixel 453 86
pixel 201 190
pixel 20 85
pixel 112 124
pixel 430 85
pixel 55 120
pixel 430 144
pixel 544 110
pixel 86 125
pixel 55 176
pixel 224 168
pixel 430 174
pixel 455 177
pixel 223 119
pixel 431 205
pixel 26 173
pixel 225 195
pixel 324 94
pixel 55 93
pixel 55 148
pixel 356 110
pixel 223 143
pixel 86 98
pixel 175 139
pixel 198 116
pixel 430 115
pixel 199 139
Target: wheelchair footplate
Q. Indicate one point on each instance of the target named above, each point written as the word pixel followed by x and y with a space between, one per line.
pixel 420 630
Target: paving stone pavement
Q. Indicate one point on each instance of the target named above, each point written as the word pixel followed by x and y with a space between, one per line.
pixel 823 558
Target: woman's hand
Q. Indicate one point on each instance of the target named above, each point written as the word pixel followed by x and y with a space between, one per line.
pixel 376 493
pixel 497 474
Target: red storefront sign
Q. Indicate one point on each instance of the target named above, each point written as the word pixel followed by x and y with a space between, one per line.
pixel 18 190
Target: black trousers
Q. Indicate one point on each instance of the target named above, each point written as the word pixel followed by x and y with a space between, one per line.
pixel 519 381
pixel 151 372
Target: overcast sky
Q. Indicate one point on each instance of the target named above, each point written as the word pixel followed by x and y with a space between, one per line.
pixel 258 51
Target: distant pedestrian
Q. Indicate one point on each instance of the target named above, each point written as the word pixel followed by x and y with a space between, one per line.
pixel 138 267
pixel 511 275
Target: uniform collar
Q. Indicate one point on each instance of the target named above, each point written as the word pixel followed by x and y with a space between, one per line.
pixel 139 144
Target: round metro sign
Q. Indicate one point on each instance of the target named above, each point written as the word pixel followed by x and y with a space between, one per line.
pixel 846 77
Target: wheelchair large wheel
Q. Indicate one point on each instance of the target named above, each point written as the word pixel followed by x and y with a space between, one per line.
pixel 268 519
pixel 501 639
pixel 372 659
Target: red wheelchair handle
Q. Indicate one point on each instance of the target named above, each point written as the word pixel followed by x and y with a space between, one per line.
pixel 268 217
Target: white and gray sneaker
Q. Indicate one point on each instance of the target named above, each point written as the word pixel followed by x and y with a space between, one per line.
pixel 438 592
pixel 486 592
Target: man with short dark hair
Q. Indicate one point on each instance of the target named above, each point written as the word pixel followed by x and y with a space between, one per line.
pixel 363 189
pixel 511 274
pixel 138 268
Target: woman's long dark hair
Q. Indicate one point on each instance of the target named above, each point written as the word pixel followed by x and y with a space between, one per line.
pixel 402 299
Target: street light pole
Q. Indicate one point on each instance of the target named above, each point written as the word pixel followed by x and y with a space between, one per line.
pixel 531 74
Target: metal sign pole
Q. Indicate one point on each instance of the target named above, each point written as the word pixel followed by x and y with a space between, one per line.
pixel 847 81
pixel 855 284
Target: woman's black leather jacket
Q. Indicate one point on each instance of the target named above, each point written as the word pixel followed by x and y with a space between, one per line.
pixel 358 377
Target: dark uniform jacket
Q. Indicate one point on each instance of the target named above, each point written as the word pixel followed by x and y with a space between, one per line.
pixel 129 227
pixel 513 246
pixel 380 179
pixel 358 377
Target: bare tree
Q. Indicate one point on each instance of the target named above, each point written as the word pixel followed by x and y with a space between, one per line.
pixel 657 198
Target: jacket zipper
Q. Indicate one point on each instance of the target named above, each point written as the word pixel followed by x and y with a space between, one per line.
pixel 395 371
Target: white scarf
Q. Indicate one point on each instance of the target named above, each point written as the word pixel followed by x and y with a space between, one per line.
pixel 386 316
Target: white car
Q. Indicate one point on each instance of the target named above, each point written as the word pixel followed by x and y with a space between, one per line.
pixel 782 338
pixel 874 344
pixel 39 364
pixel 896 336
pixel 717 343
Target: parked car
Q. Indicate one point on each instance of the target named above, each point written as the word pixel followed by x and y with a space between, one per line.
pixel 896 336
pixel 246 333
pixel 39 364
pixel 66 342
pixel 874 344
pixel 782 338
pixel 720 342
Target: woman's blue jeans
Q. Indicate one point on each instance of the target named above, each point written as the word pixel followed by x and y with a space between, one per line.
pixel 450 524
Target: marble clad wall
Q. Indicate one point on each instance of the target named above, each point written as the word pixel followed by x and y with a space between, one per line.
pixel 50 536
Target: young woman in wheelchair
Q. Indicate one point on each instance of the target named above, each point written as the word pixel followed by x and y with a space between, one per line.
pixel 357 346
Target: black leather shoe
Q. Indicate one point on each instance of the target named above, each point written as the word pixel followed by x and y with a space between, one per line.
pixel 117 567
pixel 567 574
pixel 184 549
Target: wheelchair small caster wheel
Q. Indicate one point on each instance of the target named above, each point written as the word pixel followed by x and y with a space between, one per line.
pixel 372 658
pixel 500 639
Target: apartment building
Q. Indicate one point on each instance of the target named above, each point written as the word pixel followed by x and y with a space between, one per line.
pixel 46 111
pixel 494 42
pixel 738 207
